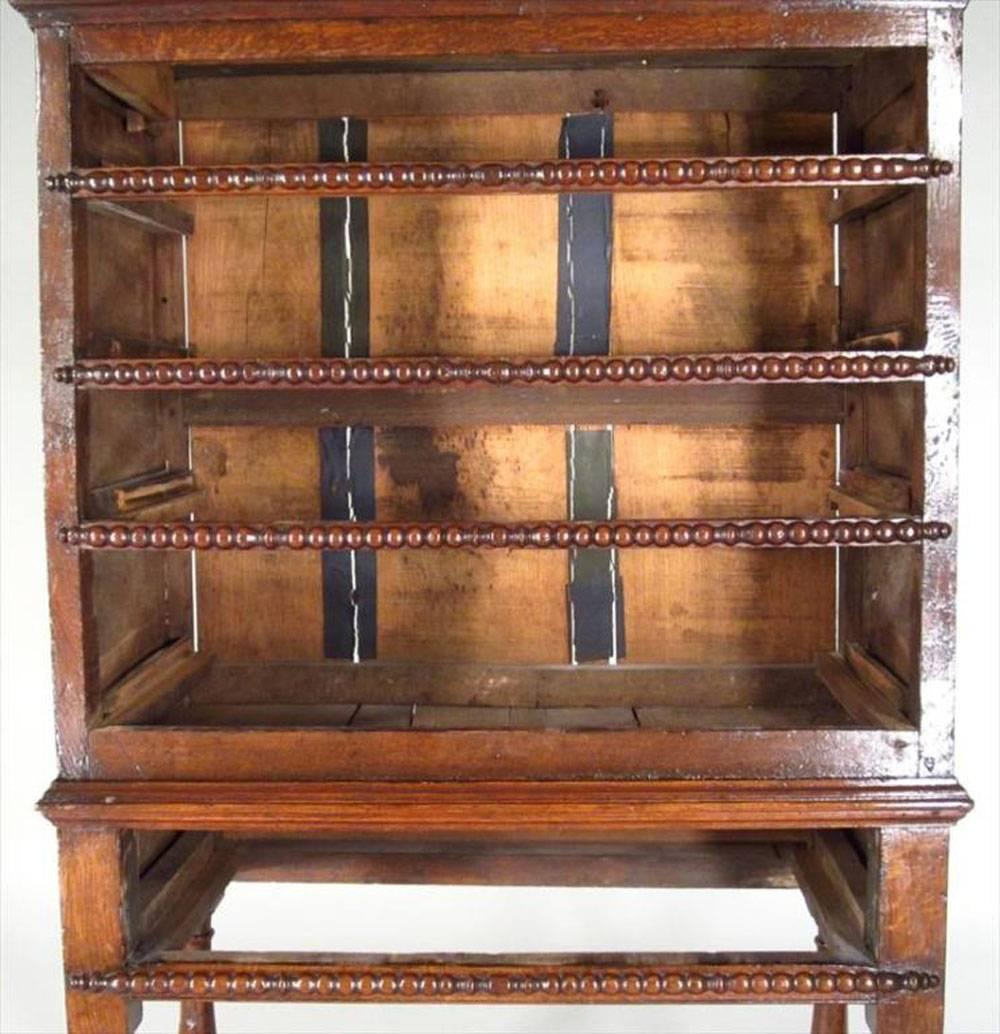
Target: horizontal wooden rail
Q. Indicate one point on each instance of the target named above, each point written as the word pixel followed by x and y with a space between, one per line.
pixel 554 176
pixel 768 533
pixel 843 367
pixel 532 809
pixel 211 976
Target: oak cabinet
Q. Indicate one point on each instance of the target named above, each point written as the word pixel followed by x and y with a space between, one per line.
pixel 491 424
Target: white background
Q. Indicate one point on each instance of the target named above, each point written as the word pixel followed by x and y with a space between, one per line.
pixel 426 919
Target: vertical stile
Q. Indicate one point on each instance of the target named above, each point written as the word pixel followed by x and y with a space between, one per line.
pixel 347 454
pixel 583 321
pixel 73 661
pixel 938 577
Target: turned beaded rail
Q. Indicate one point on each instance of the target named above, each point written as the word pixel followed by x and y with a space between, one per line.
pixel 463 981
pixel 555 176
pixel 820 367
pixel 783 533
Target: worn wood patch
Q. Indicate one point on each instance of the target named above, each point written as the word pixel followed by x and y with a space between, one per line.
pixel 455 275
pixel 253 268
pixel 724 471
pixel 478 599
pixel 703 272
pixel 688 608
pixel 253 474
pixel 253 276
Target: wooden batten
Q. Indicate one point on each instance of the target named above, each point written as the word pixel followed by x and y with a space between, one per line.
pixel 158 217
pixel 252 94
pixel 146 88
pixel 704 861
pixel 310 753
pixel 854 204
pixel 180 890
pixel 870 493
pixel 832 878
pixel 866 703
pixel 876 675
pixel 514 685
pixel 165 495
pixel 754 404
pixel 153 685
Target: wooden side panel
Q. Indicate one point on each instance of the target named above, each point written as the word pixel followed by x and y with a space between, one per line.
pixel 102 135
pixel 122 278
pixel 697 607
pixel 883 289
pixel 882 253
pixel 134 303
pixel 705 272
pixel 455 275
pixel 258 605
pixel 478 598
pixel 882 272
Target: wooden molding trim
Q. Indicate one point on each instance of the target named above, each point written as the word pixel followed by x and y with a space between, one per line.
pixel 826 367
pixel 615 979
pixel 555 176
pixel 48 12
pixel 528 808
pixel 785 533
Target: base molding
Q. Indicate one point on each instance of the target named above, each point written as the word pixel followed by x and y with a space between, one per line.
pixel 537 809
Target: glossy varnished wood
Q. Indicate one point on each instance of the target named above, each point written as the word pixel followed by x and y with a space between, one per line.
pixel 555 176
pixel 509 39
pixel 774 533
pixel 362 373
pixel 614 979
pixel 538 809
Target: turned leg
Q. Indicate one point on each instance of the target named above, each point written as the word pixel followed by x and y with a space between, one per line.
pixel 907 904
pixel 198 1017
pixel 96 868
pixel 829 1019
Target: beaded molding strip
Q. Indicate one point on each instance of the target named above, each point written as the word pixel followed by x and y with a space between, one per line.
pixel 554 176
pixel 784 533
pixel 842 367
pixel 224 981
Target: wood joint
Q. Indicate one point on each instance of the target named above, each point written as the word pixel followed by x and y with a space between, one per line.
pixel 865 703
pixel 164 495
pixel 153 685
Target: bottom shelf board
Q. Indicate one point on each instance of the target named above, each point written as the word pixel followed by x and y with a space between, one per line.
pixel 378 695
pixel 191 718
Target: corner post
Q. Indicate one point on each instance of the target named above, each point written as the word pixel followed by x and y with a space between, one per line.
pixel 97 874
